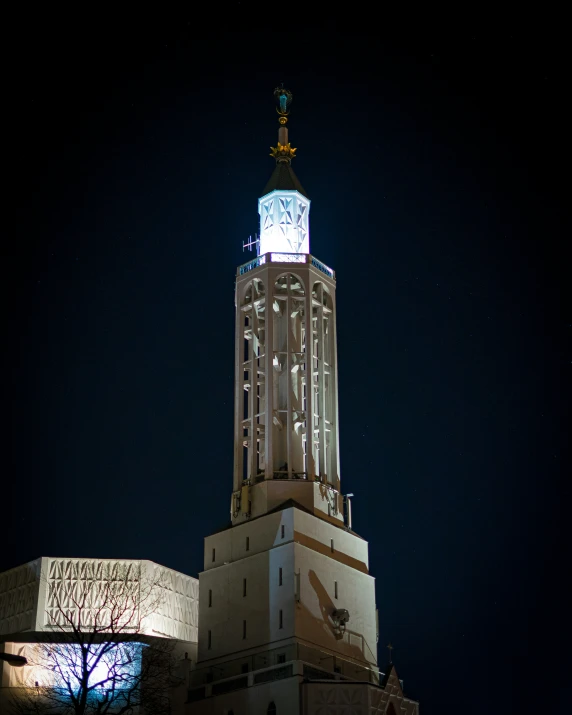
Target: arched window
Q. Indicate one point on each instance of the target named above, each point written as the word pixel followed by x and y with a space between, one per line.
pixel 271 710
pixel 390 710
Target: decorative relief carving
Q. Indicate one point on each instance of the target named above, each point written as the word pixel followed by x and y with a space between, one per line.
pixel 76 588
pixel 284 223
pixel 177 616
pixel 340 700
pixel 355 699
pixel 18 597
pixel 302 222
pixel 268 215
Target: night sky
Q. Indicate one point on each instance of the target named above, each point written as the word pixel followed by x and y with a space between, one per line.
pixel 136 155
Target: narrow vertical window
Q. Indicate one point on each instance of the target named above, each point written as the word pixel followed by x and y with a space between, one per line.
pixel 248 543
pixel 244 587
pixel 282 531
pixel 209 640
pixel 213 555
pixel 332 545
pixel 280 620
pixel 244 629
pixel 335 589
pixel 210 597
pixel 280 576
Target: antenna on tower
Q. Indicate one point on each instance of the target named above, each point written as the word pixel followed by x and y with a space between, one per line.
pixel 250 243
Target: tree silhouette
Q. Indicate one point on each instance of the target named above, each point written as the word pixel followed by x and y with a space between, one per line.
pixel 96 658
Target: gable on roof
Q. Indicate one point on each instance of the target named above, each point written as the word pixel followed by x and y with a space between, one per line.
pixel 391 682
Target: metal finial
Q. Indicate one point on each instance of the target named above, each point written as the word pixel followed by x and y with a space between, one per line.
pixel 283 152
pixel 390 648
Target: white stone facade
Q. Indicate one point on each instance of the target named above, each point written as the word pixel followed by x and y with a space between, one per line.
pixel 19 590
pixel 297 571
pixel 33 595
pixel 37 597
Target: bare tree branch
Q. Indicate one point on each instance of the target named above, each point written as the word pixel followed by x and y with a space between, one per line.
pixel 98 660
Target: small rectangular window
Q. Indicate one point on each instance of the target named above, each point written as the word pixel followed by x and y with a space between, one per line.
pixel 335 589
pixel 280 620
pixel 210 677
pixel 209 640
pixel 210 597
pixel 280 576
pixel 282 531
pixel 332 545
pixel 213 555
pixel 248 543
pixel 245 668
pixel 243 587
pixel 244 629
pixel 281 658
pixel 337 668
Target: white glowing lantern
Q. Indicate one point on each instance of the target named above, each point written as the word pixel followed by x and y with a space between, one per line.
pixel 284 222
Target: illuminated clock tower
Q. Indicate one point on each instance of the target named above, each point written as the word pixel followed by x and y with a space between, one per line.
pixel 287 617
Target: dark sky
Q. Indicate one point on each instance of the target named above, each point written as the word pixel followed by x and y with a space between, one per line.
pixel 136 155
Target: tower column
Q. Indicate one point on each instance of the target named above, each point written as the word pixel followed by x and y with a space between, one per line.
pixel 238 393
pixel 321 365
pixel 269 377
pixel 309 389
pixel 289 425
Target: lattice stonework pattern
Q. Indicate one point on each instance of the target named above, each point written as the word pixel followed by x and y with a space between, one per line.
pixel 85 582
pixel 47 593
pixel 284 223
pixel 357 699
pixel 18 597
pixel 302 221
pixel 77 589
pixel 268 215
pixel 338 700
pixel 178 612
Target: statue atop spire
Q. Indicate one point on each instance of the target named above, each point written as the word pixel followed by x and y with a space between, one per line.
pixel 284 99
pixel 283 152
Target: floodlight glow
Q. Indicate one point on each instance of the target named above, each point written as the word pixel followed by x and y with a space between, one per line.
pixel 284 222
pixel 116 668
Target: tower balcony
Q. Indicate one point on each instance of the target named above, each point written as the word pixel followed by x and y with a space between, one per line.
pixel 286 661
pixel 285 258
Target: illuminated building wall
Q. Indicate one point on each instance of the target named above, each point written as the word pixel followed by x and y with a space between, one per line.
pixel 30 594
pixel 284 227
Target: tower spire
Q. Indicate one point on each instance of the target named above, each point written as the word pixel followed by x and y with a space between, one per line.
pixel 284 206
pixel 283 152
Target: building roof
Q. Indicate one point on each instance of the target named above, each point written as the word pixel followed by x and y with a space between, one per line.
pixel 283 178
pixel 389 672
pixel 288 504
